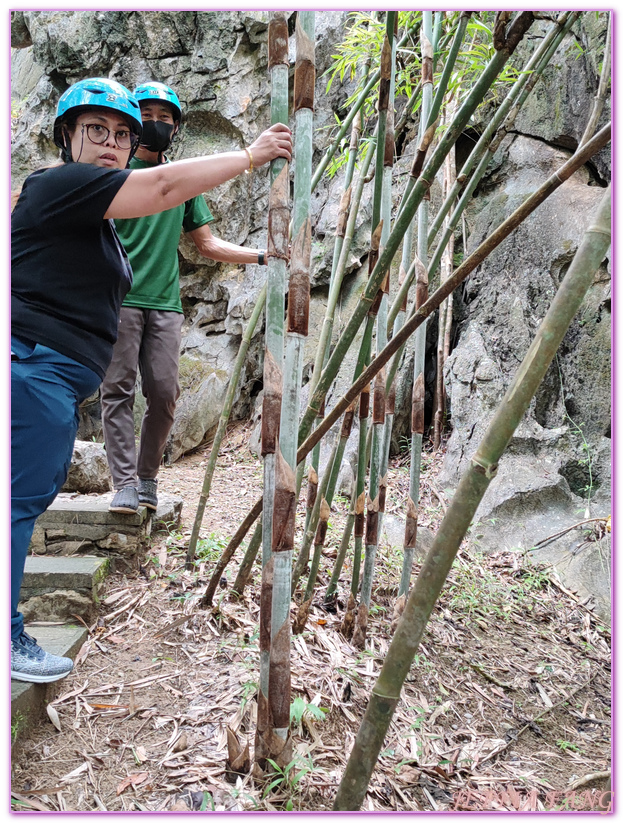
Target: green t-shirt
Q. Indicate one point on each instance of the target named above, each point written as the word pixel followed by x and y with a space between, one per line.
pixel 151 244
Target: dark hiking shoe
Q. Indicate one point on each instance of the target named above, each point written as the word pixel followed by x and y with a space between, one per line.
pixel 125 501
pixel 147 493
pixel 31 664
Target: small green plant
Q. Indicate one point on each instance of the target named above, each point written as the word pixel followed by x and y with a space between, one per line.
pixel 563 745
pixel 210 548
pixel 18 721
pixel 290 775
pixel 300 709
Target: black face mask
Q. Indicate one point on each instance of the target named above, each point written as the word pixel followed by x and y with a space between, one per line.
pixel 156 135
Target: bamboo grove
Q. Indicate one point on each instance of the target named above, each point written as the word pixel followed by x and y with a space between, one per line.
pixel 443 88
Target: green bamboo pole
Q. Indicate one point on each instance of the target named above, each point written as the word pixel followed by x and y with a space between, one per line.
pixel 298 323
pixel 246 567
pixel 421 187
pixel 377 472
pixel 428 123
pixel 485 149
pixel 274 465
pixel 419 356
pixel 416 318
pixel 361 99
pixel 445 319
pixel 474 483
pixel 303 556
pixel 341 554
pixel 222 426
pixel 374 505
pixel 515 33
pixel 349 206
pixel 580 157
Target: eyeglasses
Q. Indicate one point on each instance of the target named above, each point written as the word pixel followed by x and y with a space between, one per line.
pixel 99 134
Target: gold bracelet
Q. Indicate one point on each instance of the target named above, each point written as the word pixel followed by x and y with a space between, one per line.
pixel 250 169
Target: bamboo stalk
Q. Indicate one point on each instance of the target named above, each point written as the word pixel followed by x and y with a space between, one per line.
pixel 475 481
pixel 222 424
pixel 303 556
pixel 460 274
pixel 421 187
pixel 580 157
pixel 267 744
pixel 244 571
pixel 361 99
pixel 517 29
pixel 446 271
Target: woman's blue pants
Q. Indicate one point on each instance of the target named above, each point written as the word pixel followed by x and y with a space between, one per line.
pixel 46 391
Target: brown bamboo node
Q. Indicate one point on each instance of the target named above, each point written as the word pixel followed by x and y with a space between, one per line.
pixel 321 533
pixel 382 493
pixel 386 70
pixel 342 218
pixel 278 40
pixel 385 284
pixel 266 602
pixel 298 291
pixel 488 469
pixel 347 422
pixel 378 397
pixel 519 27
pixel 360 503
pixel 271 404
pixel 364 402
pixel 304 70
pixel 359 525
pixel 312 488
pixel 375 240
pixel 376 304
pixel 410 533
pixel 417 405
pixel 499 29
pixel 279 216
pixel 390 403
pixel 325 510
pixel 284 507
pixel 348 623
pixel 279 677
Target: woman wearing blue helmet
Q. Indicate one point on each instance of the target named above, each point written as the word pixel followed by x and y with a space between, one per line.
pixel 69 276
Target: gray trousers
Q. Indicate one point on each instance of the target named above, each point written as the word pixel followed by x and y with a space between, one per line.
pixel 149 341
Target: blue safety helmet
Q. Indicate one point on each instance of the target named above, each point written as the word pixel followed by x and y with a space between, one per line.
pixel 158 91
pixel 101 92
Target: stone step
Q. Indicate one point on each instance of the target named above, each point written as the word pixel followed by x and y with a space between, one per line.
pixel 81 524
pixel 28 700
pixel 54 587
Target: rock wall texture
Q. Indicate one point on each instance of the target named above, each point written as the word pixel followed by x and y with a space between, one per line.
pixel 217 62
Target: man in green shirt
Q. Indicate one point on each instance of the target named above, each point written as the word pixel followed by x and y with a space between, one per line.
pixel 151 315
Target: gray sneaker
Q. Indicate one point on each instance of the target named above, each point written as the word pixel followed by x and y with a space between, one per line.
pixel 147 493
pixel 125 501
pixel 33 665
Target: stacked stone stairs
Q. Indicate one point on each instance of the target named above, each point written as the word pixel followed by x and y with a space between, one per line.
pixel 75 544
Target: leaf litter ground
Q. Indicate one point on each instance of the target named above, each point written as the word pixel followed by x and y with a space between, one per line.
pixel 507 704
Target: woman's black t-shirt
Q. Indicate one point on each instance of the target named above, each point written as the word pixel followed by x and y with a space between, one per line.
pixel 69 272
